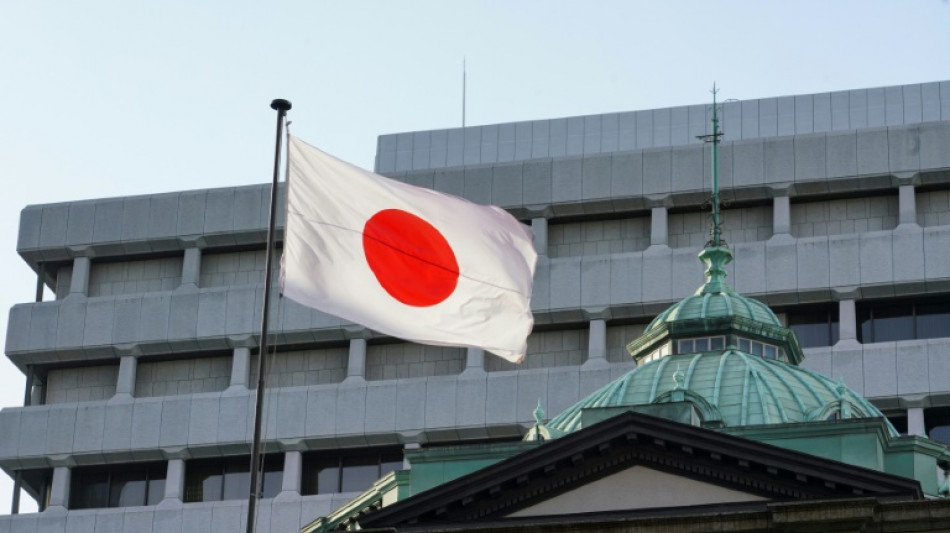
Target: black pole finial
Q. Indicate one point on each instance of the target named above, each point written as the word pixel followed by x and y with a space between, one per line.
pixel 281 105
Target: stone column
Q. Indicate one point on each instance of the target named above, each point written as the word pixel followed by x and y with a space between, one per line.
pixel 915 422
pixel 59 491
pixel 659 227
pixel 597 345
pixel 540 228
pixel 240 369
pixel 174 483
pixel 293 469
pixel 356 363
pixel 474 362
pixel 191 268
pixel 847 323
pixel 125 384
pixel 781 216
pixel 79 284
pixel 907 204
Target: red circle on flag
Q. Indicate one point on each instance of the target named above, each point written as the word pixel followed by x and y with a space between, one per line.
pixel 410 258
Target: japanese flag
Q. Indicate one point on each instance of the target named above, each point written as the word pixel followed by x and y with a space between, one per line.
pixel 403 260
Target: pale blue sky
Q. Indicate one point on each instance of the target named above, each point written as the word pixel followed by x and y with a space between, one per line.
pixel 110 98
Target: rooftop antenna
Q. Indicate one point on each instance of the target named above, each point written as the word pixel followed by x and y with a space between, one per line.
pixel 715 138
pixel 715 254
pixel 463 91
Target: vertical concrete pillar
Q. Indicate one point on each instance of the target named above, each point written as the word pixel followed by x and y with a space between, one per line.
pixel 293 469
pixel 915 421
pixel 37 393
pixel 597 344
pixel 79 284
pixel 59 491
pixel 125 383
pixel 240 368
pixel 405 456
pixel 781 215
pixel 540 228
pixel 907 204
pixel 474 361
pixel 847 322
pixel 659 227
pixel 356 363
pixel 191 267
pixel 174 482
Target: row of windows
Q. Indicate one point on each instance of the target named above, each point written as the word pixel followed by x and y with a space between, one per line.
pixel 219 479
pixel 877 321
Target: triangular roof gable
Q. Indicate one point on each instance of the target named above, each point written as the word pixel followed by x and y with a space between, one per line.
pixel 631 439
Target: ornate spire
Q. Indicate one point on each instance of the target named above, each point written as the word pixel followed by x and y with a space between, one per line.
pixel 715 255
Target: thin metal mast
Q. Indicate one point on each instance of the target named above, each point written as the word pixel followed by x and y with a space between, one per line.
pixel 281 106
pixel 464 86
pixel 715 138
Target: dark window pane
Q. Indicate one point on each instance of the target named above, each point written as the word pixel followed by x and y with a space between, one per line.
pixel 237 481
pixel 716 343
pixel 702 345
pixel 940 434
pixel 770 351
pixel 272 476
pixel 686 346
pixel 745 346
pixel 933 320
pixel 756 348
pixel 128 489
pixel 893 322
pixel 328 480
pixel 864 324
pixel 156 491
pixel 389 466
pixel 810 335
pixel 89 490
pixel 359 473
pixel 203 483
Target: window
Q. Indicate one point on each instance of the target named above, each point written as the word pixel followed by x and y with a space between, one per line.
pixel 937 424
pixel 347 470
pixel 229 478
pixel 117 485
pixel 761 349
pixel 815 325
pixel 702 344
pixel 898 419
pixel 897 320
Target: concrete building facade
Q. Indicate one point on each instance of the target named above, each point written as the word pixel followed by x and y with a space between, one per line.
pixel 139 409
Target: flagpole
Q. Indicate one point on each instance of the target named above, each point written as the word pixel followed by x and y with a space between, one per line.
pixel 281 106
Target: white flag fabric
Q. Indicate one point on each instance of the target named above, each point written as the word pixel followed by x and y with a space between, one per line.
pixel 404 260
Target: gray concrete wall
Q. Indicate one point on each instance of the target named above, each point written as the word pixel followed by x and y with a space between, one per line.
pixel 134 277
pixel 303 367
pixel 933 208
pixel 406 360
pixel 566 290
pixel 745 224
pixel 600 184
pixel 657 128
pixel 275 516
pixel 547 349
pixel 233 268
pixel 598 237
pixel 843 216
pixel 182 376
pixel 617 338
pixel 82 384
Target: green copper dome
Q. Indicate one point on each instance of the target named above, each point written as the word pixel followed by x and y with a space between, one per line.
pixel 728 389
pixel 716 299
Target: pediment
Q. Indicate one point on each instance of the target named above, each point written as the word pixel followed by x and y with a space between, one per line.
pixel 635 488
